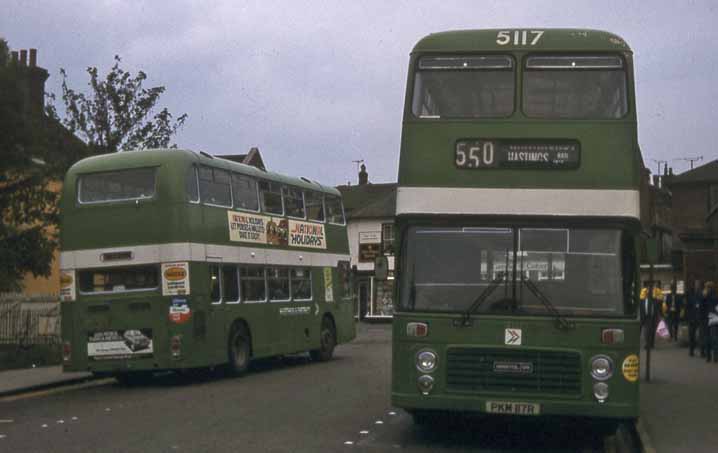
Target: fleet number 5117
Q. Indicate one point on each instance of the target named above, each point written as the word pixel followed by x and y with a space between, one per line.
pixel 520 37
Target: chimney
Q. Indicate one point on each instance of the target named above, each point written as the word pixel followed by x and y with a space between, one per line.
pixel 363 176
pixel 31 81
pixel 33 58
pixel 23 57
pixel 14 57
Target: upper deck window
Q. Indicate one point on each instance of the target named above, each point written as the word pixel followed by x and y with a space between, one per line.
pixel 120 185
pixel 335 211
pixel 214 186
pixel 575 87
pixel 464 87
pixel 244 190
pixel 270 194
pixel 315 205
pixel 293 202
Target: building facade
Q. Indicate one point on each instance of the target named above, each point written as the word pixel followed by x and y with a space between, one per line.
pixel 370 210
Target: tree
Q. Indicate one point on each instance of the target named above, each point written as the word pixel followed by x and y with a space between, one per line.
pixel 117 115
pixel 36 150
pixel 27 165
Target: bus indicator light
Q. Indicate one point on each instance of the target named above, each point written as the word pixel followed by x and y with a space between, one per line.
pixel 417 329
pixel 176 346
pixel 66 351
pixel 612 336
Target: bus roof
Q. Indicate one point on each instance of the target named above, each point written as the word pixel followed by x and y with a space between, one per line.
pixel 552 39
pixel 152 157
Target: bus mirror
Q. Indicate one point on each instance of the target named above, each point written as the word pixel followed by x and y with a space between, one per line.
pixel 381 268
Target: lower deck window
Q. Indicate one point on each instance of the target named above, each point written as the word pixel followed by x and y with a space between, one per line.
pixel 301 284
pixel 278 283
pixel 253 288
pixel 119 279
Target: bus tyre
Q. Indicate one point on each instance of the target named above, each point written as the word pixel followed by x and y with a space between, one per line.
pixel 327 341
pixel 238 350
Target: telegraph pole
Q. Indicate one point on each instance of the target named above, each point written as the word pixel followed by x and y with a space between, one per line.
pixel 659 162
pixel 358 162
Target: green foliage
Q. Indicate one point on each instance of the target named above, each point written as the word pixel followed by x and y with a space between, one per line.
pixel 118 113
pixel 36 150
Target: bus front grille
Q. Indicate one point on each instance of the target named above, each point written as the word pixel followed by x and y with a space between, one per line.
pixel 513 371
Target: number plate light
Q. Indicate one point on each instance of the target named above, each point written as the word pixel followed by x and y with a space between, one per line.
pixel 417 329
pixel 612 336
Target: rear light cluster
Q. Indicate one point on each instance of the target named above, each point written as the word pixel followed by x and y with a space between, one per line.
pixel 66 351
pixel 612 336
pixel 176 346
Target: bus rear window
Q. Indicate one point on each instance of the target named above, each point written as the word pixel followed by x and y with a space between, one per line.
pixel 464 87
pixel 120 185
pixel 120 279
pixel 575 87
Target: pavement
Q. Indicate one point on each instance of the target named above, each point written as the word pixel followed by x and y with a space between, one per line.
pixel 13 382
pixel 679 405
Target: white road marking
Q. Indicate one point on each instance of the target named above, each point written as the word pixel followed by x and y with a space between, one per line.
pixel 392 413
pixel 378 422
pixel 74 418
pixel 44 426
pixel 349 442
pixel 2 436
pixel 364 432
pixel 107 409
pixel 60 422
pixel 7 420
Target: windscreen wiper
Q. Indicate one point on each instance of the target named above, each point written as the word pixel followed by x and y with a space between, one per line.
pixel 482 297
pixel 561 322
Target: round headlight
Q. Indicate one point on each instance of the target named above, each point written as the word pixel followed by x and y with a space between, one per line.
pixel 601 367
pixel 600 391
pixel 426 361
pixel 425 384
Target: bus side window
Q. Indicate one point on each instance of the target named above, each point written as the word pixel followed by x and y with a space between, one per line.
pixel 214 186
pixel 253 288
pixel 293 202
pixel 335 213
pixel 314 205
pixel 278 282
pixel 230 284
pixel 215 295
pixel 244 190
pixel 271 197
pixel 191 189
pixel 302 284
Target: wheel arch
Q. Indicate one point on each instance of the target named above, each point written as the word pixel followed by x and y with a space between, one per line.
pixel 243 324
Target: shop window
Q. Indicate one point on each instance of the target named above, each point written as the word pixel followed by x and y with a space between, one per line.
pixel 387 238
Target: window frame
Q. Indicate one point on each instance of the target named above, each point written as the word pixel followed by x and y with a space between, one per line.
pixel 311 284
pixel 118 200
pixel 256 190
pixel 231 195
pixel 264 279
pixel 319 195
pixel 261 198
pixel 289 284
pixel 127 291
pixel 219 277
pixel 193 168
pixel 239 287
pixel 341 206
pixel 285 189
pixel 515 68
pixel 624 67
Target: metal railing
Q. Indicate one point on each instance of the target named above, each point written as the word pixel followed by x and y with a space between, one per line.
pixel 26 322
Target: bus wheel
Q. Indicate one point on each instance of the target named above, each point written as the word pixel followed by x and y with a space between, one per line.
pixel 327 341
pixel 238 350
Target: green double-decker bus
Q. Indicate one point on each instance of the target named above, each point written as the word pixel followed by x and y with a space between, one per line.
pixel 173 259
pixel 518 226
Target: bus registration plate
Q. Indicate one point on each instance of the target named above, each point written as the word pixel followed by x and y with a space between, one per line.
pixel 513 408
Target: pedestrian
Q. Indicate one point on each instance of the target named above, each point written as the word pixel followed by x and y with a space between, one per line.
pixel 674 304
pixel 693 315
pixel 703 336
pixel 711 302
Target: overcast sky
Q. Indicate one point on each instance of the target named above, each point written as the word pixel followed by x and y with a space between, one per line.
pixel 316 85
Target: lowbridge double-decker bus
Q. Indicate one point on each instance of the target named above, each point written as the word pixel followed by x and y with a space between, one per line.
pixel 518 223
pixel 176 260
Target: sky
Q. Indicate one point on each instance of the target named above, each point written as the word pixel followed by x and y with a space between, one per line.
pixel 317 85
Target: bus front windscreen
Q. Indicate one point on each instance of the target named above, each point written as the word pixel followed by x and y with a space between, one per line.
pixel 464 87
pixel 581 272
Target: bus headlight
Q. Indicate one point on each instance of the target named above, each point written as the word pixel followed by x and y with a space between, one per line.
pixel 425 384
pixel 601 367
pixel 600 391
pixel 426 361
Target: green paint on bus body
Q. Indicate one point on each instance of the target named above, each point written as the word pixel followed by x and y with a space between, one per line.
pixel 609 161
pixel 168 223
